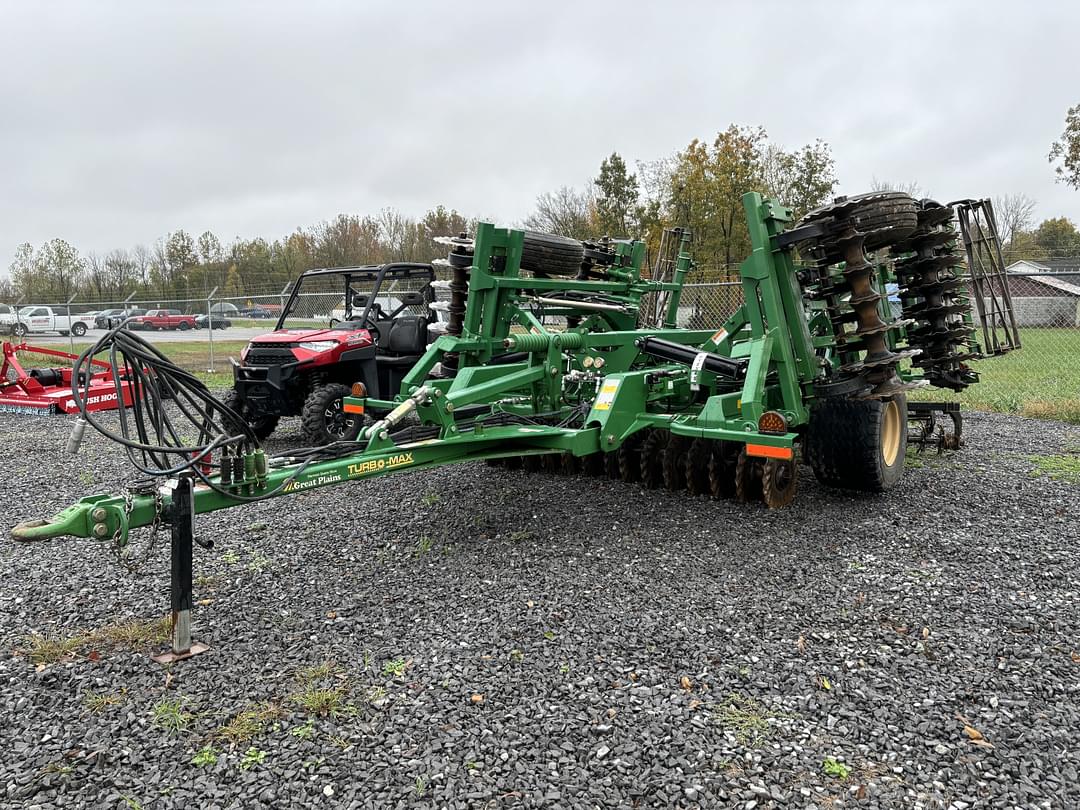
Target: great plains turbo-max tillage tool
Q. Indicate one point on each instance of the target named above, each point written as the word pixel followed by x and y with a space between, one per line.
pixel 545 366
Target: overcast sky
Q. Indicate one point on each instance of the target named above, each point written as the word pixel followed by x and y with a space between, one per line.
pixel 123 121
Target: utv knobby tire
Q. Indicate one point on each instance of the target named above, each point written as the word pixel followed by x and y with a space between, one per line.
pixel 318 424
pixel 858 444
pixel 548 254
pixel 261 427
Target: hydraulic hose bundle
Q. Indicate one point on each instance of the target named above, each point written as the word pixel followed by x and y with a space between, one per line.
pixel 168 403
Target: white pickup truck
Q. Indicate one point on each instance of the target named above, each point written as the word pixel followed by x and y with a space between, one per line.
pixel 44 319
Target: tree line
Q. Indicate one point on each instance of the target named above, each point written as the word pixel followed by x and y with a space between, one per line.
pixel 699 187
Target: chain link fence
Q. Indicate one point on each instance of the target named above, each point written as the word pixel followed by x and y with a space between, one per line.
pixel 1042 380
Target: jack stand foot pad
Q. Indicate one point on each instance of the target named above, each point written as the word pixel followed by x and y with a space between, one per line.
pixel 170 656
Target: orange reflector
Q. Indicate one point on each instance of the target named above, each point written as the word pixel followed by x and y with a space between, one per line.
pixel 766 451
pixel 359 389
pixel 772 422
pixel 353 408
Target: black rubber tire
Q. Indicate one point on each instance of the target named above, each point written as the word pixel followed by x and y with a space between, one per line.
pixel 593 464
pixel 652 458
pixel 314 420
pixel 78 329
pixel 697 466
pixel 20 330
pixel 884 216
pixel 725 457
pixel 844 443
pixel 611 465
pixel 551 463
pixel 184 326
pixel 262 428
pixel 675 463
pixel 886 222
pixel 549 255
pixel 568 464
pixel 630 458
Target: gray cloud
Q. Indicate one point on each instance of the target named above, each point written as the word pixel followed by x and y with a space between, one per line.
pixel 122 121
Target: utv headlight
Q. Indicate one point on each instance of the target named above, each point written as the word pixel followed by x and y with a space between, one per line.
pixel 318 345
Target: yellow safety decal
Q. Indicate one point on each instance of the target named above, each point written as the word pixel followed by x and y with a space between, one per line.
pixel 606 396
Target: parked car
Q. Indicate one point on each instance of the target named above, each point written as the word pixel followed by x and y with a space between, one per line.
pixel 7 318
pixel 162 319
pixel 44 319
pixel 108 318
pixel 218 322
pixel 255 312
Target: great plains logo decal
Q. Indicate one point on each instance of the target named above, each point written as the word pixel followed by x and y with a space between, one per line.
pixel 311 483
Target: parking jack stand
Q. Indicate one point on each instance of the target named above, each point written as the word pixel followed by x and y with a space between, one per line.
pixel 182 531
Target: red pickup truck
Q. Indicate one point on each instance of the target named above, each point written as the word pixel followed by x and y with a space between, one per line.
pixel 162 319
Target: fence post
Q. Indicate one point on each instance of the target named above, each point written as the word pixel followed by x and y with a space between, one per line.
pixel 71 335
pixel 210 327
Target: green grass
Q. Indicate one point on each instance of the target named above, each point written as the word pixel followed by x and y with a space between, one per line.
pixel 250 723
pixel 746 718
pixel 835 768
pixel 135 633
pixel 1041 379
pixel 1064 467
pixel 170 715
pixel 323 702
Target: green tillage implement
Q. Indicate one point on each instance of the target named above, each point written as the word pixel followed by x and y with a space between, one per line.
pixel 716 410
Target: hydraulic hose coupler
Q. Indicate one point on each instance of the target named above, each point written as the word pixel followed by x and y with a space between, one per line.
pixel 249 471
pixel 76 437
pixel 260 468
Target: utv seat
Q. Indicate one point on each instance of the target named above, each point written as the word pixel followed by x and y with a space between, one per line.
pixel 406 340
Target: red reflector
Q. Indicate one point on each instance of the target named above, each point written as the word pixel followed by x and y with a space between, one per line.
pixel 766 451
pixel 353 408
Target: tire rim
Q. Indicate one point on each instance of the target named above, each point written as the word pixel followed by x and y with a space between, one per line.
pixel 890 433
pixel 337 423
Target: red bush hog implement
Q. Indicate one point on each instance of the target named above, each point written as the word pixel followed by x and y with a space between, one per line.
pixel 48 390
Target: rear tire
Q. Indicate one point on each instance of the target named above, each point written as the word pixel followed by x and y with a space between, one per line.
pixel 858 444
pixel 184 326
pixel 78 329
pixel 261 427
pixel 324 420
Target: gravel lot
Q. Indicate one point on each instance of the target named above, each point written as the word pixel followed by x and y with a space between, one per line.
pixel 499 640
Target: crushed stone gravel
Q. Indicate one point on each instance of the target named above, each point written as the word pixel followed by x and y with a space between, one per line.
pixel 498 639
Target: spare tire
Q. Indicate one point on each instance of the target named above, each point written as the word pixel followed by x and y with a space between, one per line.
pixel 885 217
pixel 546 254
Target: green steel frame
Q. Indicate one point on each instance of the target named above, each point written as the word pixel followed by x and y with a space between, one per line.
pixel 594 369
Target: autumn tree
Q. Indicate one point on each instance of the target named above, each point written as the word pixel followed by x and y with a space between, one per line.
pixel 802 179
pixel 1013 214
pixel 708 183
pixel 566 212
pixel 617 198
pixel 1058 237
pixel 1065 152
pixel 911 187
